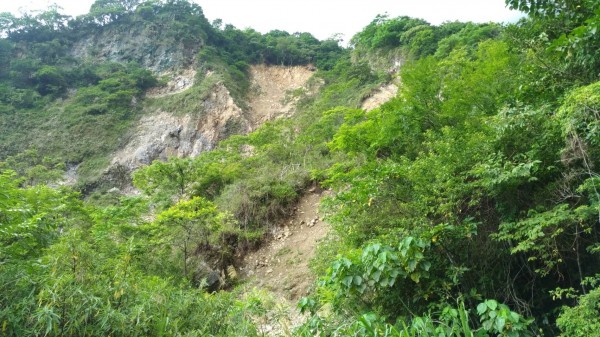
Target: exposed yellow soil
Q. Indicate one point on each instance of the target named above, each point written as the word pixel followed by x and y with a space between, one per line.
pixel 380 96
pixel 274 91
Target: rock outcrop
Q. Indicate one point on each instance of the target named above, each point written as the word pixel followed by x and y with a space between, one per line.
pixel 163 134
pixel 143 42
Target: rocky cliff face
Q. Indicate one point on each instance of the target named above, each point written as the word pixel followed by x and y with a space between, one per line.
pixel 143 42
pixel 162 135
pixel 166 134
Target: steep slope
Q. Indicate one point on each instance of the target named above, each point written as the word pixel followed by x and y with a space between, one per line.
pixel 144 44
pixel 274 91
pixel 159 37
pixel 281 267
pixel 380 96
pixel 178 81
pixel 164 134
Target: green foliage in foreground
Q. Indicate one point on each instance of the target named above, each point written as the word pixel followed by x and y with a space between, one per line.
pixel 495 319
pixel 495 186
pixel 72 269
pixel 582 320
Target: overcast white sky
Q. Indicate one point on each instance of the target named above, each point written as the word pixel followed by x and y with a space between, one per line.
pixel 322 18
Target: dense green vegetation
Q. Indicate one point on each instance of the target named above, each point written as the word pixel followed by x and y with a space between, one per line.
pixel 477 182
pixel 467 205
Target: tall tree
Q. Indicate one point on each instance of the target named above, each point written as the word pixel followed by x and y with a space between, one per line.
pixel 571 29
pixel 106 11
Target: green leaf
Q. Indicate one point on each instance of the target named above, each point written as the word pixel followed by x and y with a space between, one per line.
pixel 376 275
pixel 492 304
pixel 487 325
pixel 500 323
pixel 481 308
pixel 412 265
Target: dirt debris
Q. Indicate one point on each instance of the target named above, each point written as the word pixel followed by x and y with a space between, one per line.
pixel 275 90
pixel 380 96
pixel 281 267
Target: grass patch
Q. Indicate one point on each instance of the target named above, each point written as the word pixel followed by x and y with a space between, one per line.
pixel 283 251
pixel 190 101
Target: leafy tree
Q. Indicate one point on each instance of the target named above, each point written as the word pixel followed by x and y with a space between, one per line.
pixel 34 169
pixel 173 176
pixel 467 35
pixel 571 31
pixel 191 223
pixel 49 80
pixel 35 27
pixel 106 11
pixel 7 22
pixel 32 217
pixel 384 32
pixel 582 319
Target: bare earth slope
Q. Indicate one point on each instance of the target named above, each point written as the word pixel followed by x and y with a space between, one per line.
pixel 281 267
pixel 272 88
pixel 380 96
pixel 166 134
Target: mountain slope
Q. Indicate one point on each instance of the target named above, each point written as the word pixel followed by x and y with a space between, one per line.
pixel 466 204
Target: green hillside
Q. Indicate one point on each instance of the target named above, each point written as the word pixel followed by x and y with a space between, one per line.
pixel 467 205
